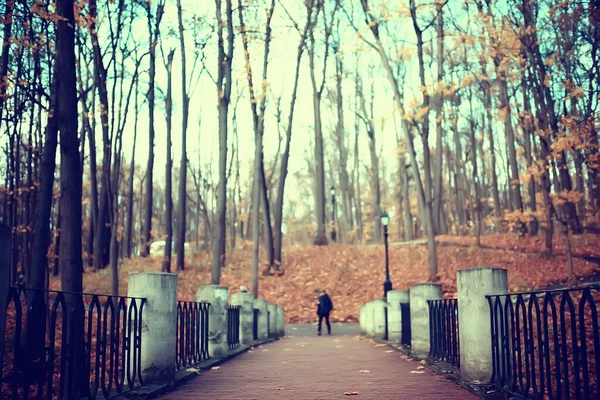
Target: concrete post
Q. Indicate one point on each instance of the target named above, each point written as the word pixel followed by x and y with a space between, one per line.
pixel 473 285
pixel 369 322
pixel 246 301
pixel 261 306
pixel 217 318
pixel 272 310
pixel 280 321
pixel 395 298
pixel 419 316
pixel 362 319
pixel 159 323
pixel 378 307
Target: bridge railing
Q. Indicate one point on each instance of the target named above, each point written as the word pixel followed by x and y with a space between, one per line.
pixel 62 344
pixel 233 326
pixel 546 344
pixel 192 333
pixel 443 330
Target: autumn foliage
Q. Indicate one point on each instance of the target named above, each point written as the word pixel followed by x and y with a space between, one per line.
pixel 354 275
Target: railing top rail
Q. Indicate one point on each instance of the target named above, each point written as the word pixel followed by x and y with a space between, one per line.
pixel 544 291
pixel 78 293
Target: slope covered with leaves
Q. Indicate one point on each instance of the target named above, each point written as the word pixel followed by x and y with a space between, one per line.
pixel 355 274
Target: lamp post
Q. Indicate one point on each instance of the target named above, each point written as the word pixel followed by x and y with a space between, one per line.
pixel 333 233
pixel 387 285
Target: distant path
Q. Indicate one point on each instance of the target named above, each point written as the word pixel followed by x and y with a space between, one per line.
pixel 305 366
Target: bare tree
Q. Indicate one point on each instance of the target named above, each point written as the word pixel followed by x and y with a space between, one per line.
pixel 154 34
pixel 224 84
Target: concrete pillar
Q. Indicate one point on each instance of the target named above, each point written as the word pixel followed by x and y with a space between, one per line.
pixel 272 310
pixel 217 318
pixel 395 298
pixel 262 325
pixel 280 321
pixel 419 315
pixel 379 308
pixel 246 301
pixel 473 285
pixel 369 325
pixel 362 320
pixel 159 323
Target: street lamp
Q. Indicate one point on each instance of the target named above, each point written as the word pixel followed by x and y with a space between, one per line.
pixel 387 285
pixel 333 233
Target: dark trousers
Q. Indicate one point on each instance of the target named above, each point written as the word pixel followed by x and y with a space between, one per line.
pixel 326 316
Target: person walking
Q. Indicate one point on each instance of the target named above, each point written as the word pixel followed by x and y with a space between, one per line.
pixel 324 307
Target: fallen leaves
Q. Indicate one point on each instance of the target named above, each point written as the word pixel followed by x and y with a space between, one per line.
pixel 353 274
pixel 364 371
pixel 417 372
pixel 351 393
pixel 216 368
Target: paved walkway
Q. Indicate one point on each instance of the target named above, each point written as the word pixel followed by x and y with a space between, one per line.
pixel 304 366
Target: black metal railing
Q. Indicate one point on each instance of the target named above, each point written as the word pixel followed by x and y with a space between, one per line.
pixel 443 330
pixel 256 312
pixel 406 332
pixel 233 326
pixel 192 333
pixel 546 344
pixel 63 345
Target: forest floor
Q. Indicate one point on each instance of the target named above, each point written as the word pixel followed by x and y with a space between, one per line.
pixel 354 274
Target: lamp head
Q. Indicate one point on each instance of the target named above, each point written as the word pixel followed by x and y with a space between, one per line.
pixel 385 219
pixel 332 191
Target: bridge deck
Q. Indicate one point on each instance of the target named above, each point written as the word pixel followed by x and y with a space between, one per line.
pixel 305 366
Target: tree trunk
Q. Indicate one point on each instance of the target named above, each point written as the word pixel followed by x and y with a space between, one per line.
pixel 153 33
pixel 528 134
pixel 283 168
pixel 185 106
pixel 169 167
pixel 345 222
pixel 492 153
pixel 426 198
pixel 437 177
pixel 224 85
pixel 70 185
pixel 6 42
pixel 101 245
pixel 319 189
pixel 129 245
pixel 514 183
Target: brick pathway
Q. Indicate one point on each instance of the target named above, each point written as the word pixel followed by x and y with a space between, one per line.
pixel 320 368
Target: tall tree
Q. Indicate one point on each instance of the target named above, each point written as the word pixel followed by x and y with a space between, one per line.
pixel 283 166
pixel 185 110
pixel 169 166
pixel 318 87
pixel 154 34
pixel 70 186
pixel 224 85
pixel 424 192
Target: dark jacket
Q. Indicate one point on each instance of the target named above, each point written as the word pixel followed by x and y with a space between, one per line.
pixel 325 305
